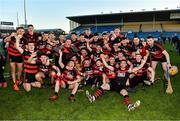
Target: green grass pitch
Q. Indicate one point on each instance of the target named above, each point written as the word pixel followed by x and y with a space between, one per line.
pixel 155 105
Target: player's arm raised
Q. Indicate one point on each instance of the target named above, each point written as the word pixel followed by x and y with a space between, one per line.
pixel 60 59
pixel 88 46
pixel 57 69
pixel 7 39
pixel 17 44
pixel 105 63
pixel 31 57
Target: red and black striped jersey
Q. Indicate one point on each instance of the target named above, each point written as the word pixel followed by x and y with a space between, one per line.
pixel 49 47
pixel 109 73
pixel 41 45
pixel 157 50
pixel 98 70
pixel 46 69
pixel 96 55
pixel 31 68
pixel 69 75
pixel 94 44
pixel 121 77
pixel 117 39
pixel 88 71
pixel 127 49
pixel 142 70
pixel 31 38
pixel 105 50
pixel 140 47
pixel 12 47
pixel 81 44
pixel 114 53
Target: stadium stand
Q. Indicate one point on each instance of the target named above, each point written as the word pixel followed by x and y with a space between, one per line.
pixel 171 27
pixel 156 23
pixel 133 26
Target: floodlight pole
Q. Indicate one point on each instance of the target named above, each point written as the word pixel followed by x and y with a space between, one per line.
pixel 17 19
pixel 25 18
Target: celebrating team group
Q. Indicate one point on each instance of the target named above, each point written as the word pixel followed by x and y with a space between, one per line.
pixel 103 61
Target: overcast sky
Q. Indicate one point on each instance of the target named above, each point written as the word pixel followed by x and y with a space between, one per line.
pixel 53 13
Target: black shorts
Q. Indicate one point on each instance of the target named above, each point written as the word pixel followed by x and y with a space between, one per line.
pixel 88 80
pixel 98 79
pixel 29 78
pixel 16 59
pixel 138 79
pixel 163 59
pixel 117 86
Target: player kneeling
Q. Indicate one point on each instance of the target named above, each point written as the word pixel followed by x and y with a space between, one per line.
pixel 143 73
pixel 119 85
pixel 69 79
pixel 30 72
pixel 30 66
pixel 46 70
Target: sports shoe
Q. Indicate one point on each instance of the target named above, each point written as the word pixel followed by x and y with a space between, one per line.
pixel 72 98
pixel 5 85
pixel 15 87
pixel 147 82
pixel 131 107
pixel 90 97
pixel 137 103
pixel 1 84
pixel 53 98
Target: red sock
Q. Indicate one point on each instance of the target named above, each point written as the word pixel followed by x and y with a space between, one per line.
pixel 127 100
pixel 99 92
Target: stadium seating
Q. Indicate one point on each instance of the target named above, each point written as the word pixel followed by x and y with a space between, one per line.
pixel 170 34
pixel 101 29
pixel 129 33
pixel 79 29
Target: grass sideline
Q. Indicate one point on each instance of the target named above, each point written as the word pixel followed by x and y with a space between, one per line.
pixel 155 105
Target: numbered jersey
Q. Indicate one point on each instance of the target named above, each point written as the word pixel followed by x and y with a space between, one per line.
pixel 121 77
